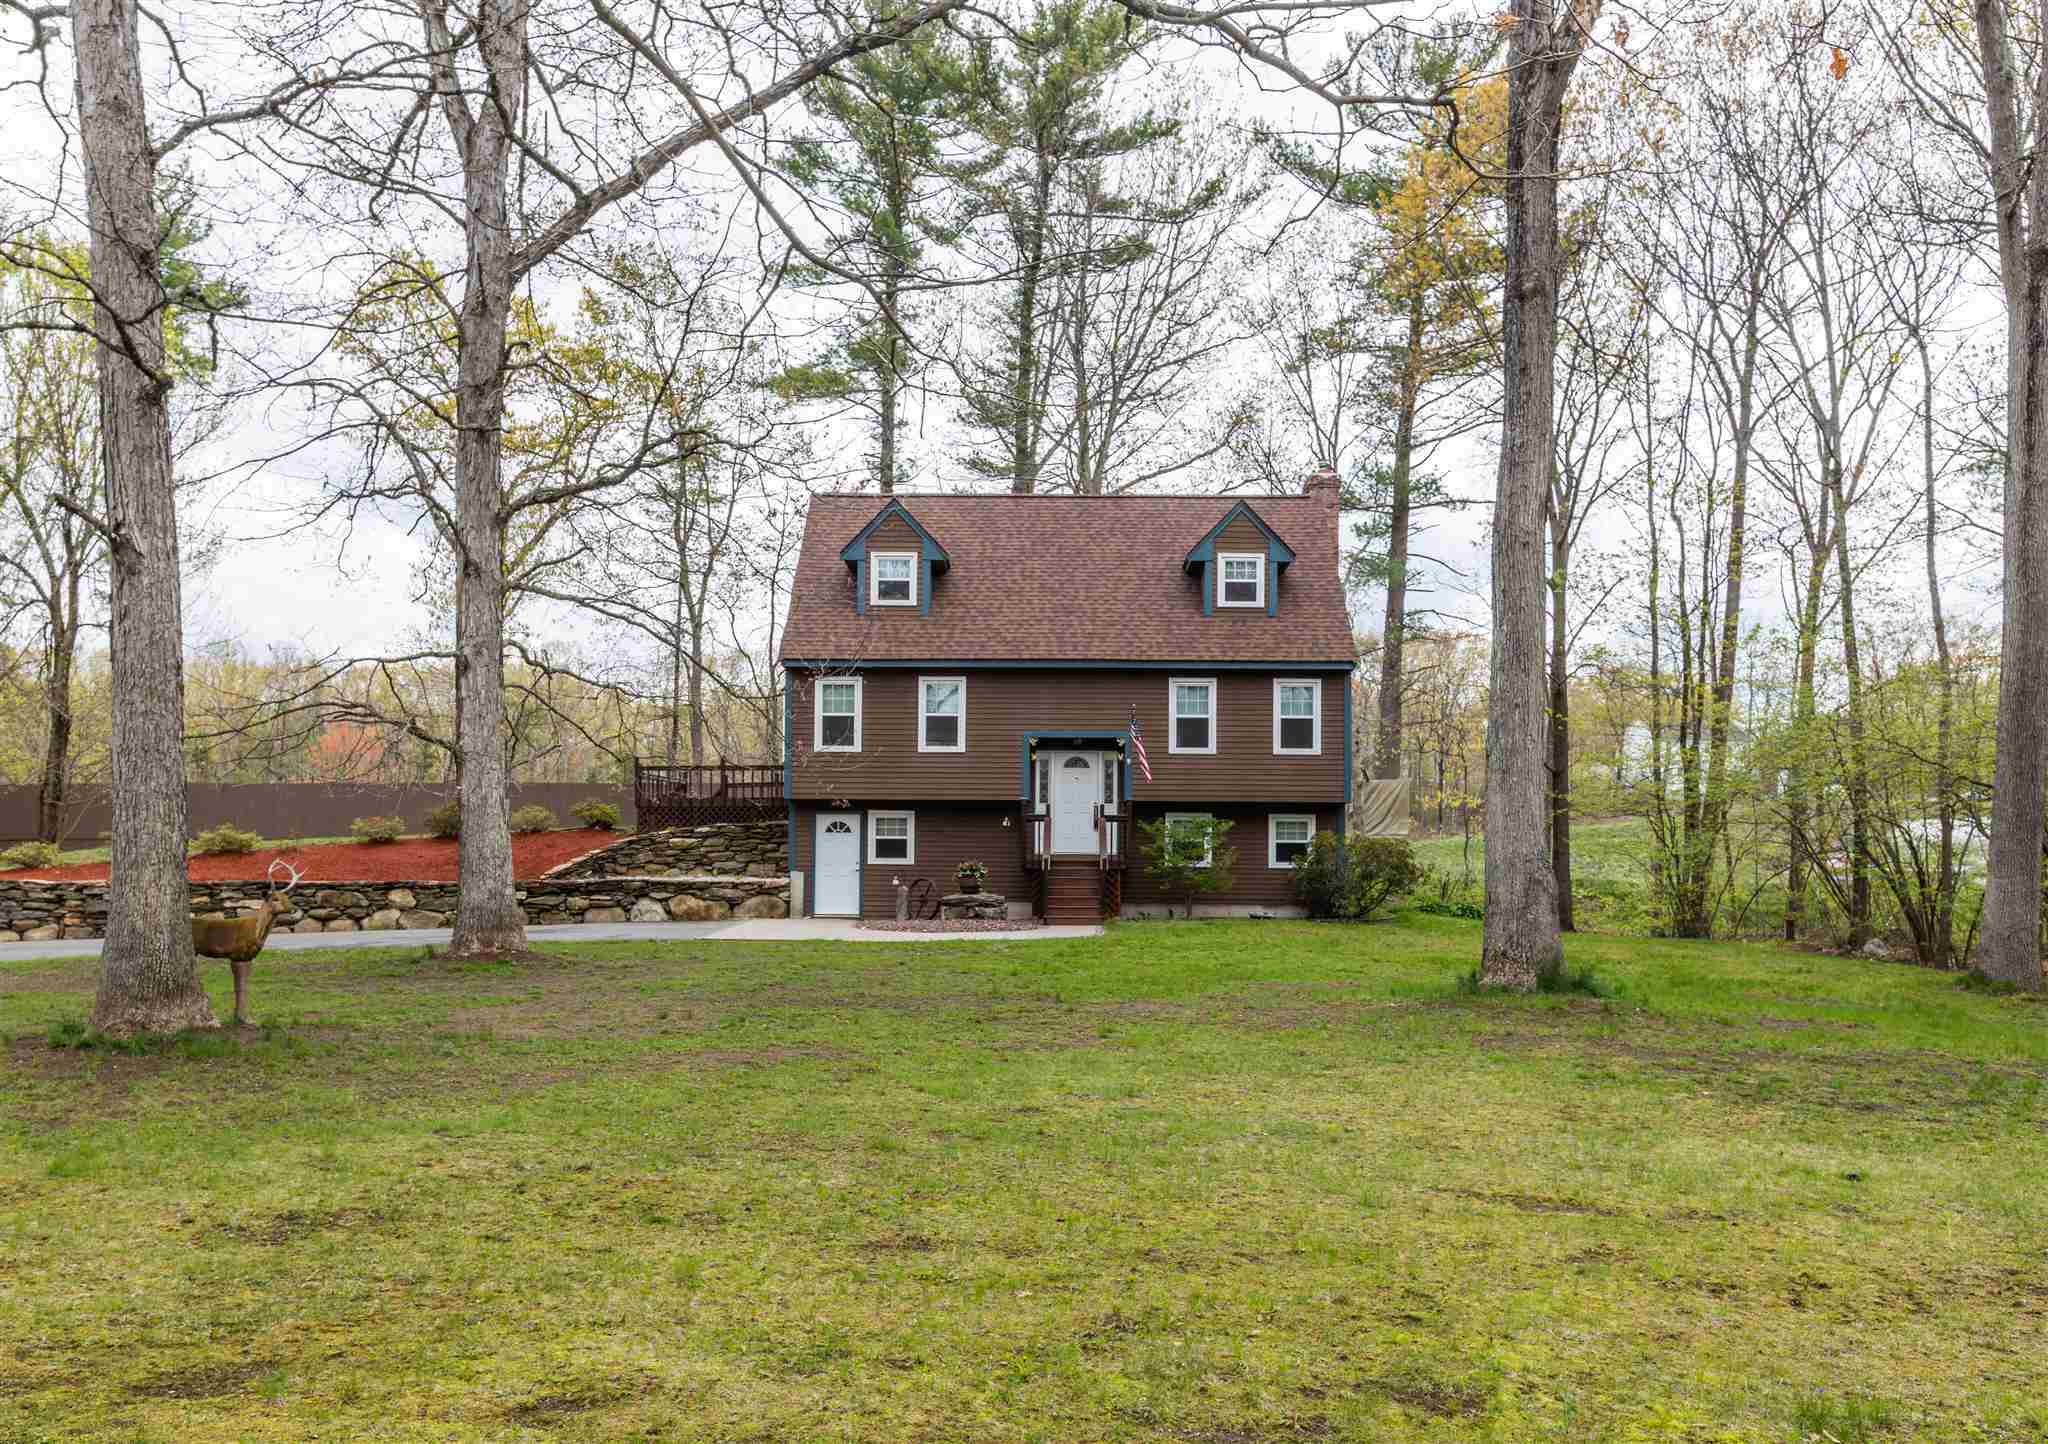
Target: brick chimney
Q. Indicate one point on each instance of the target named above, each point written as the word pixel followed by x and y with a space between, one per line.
pixel 1322 482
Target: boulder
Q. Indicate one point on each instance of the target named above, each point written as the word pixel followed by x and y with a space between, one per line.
pixel 421 918
pixel 80 933
pixel 309 925
pixel 402 898
pixel 605 915
pixel 8 935
pixel 686 909
pixel 767 905
pixel 648 911
pixel 327 898
pixel 40 935
pixel 381 921
pixel 341 925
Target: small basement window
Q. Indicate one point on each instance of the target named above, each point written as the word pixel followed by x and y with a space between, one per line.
pixel 1287 838
pixel 1298 716
pixel 895 575
pixel 892 837
pixel 1240 580
pixel 1179 828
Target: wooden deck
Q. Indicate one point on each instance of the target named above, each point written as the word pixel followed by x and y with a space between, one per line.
pixel 665 796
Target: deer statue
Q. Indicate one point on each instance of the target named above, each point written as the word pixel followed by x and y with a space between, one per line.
pixel 238 940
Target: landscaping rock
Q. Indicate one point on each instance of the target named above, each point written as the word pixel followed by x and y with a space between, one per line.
pixel 421 918
pixel 402 898
pixel 381 921
pixel 39 935
pixel 686 909
pixel 342 925
pixel 763 906
pixel 605 915
pixel 308 925
pixel 648 911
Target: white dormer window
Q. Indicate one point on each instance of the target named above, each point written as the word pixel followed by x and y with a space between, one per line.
pixel 895 579
pixel 1240 580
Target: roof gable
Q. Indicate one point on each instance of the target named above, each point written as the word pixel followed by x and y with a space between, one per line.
pixel 1204 551
pixel 857 549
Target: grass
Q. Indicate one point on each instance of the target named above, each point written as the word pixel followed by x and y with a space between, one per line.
pixel 1204 1182
pixel 77 856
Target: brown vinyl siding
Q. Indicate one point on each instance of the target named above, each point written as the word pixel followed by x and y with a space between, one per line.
pixel 946 836
pixel 1003 705
pixel 894 535
pixel 949 834
pixel 1252 882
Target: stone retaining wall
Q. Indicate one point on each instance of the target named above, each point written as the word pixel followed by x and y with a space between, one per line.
pixel 724 849
pixel 42 910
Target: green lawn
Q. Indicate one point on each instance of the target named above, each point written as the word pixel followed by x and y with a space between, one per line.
pixel 1210 1182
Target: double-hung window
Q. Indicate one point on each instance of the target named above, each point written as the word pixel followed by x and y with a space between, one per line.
pixel 892 837
pixel 942 714
pixel 1180 830
pixel 895 579
pixel 838 715
pixel 1287 838
pixel 1298 716
pixel 1240 580
pixel 1193 701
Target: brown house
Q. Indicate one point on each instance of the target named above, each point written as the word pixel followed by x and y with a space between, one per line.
pixel 991 678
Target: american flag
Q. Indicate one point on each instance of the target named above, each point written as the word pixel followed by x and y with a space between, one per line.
pixel 1138 749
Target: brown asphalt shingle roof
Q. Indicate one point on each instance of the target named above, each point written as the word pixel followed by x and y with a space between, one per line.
pixel 1069 578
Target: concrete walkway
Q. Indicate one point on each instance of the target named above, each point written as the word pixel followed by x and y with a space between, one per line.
pixel 748 930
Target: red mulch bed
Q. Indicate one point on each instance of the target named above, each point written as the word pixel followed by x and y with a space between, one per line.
pixel 410 859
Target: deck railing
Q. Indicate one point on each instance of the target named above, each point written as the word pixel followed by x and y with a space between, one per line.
pixel 688 796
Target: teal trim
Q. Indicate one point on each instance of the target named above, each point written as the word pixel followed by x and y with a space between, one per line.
pixel 1205 550
pixel 863 664
pixel 788 743
pixel 860 587
pixel 858 547
pixel 1033 734
pixel 1272 587
pixel 1209 587
pixel 1348 761
pixel 924 587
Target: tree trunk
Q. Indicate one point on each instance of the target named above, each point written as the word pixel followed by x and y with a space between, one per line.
pixel 1024 336
pixel 1858 769
pixel 1943 925
pixel 488 919
pixel 2011 946
pixel 149 979
pixel 1521 943
pixel 1805 709
pixel 1394 631
pixel 50 796
pixel 1560 733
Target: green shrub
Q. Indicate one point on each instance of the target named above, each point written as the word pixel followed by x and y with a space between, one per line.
pixel 378 829
pixel 595 812
pixel 227 838
pixel 32 854
pixel 532 818
pixel 1187 858
pixel 1354 877
pixel 444 820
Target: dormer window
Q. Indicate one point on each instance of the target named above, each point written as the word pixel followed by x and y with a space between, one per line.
pixel 895 579
pixel 1240 580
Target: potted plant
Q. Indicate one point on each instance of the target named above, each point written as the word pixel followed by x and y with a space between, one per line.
pixel 972 875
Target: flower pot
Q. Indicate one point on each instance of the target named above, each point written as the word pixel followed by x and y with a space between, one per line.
pixel 970 884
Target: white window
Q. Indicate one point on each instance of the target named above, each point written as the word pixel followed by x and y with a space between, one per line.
pixel 892 837
pixel 1192 702
pixel 1298 715
pixel 1240 580
pixel 942 714
pixel 1177 820
pixel 1287 838
pixel 838 715
pixel 895 579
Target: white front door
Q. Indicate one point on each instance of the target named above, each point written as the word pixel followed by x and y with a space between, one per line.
pixel 1076 788
pixel 838 863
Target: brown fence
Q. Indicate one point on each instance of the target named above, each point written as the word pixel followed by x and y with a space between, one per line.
pixel 665 796
pixel 298 809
